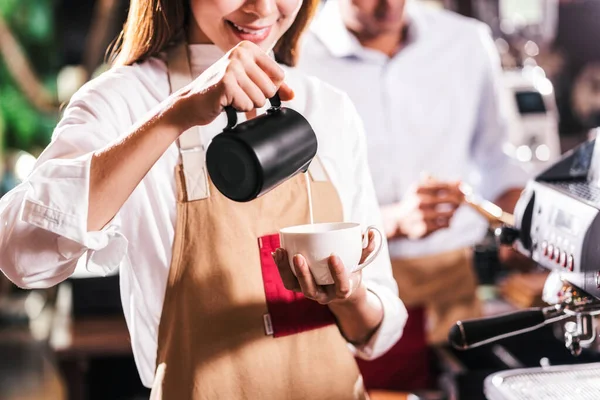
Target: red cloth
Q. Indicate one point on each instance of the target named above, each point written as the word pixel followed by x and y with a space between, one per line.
pixel 405 366
pixel 290 311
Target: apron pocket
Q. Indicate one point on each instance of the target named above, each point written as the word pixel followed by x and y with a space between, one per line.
pixel 290 312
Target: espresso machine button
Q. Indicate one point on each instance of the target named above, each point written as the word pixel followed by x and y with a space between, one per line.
pixel 570 262
pixel 545 247
pixel 563 259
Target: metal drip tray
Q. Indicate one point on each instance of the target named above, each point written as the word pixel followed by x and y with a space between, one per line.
pixel 563 382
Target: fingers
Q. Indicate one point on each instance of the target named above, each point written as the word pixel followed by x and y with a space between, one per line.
pixel 435 186
pixel 269 66
pixel 419 226
pixel 243 79
pixel 432 214
pixel 436 224
pixel 439 198
pixel 290 282
pixel 343 282
pixel 438 188
pixel 234 95
pixel 307 283
pixel 434 221
pixel 285 92
pixel 258 76
pixel 342 287
pixel 254 83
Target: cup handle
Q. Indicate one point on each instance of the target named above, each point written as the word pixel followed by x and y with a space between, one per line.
pixel 374 254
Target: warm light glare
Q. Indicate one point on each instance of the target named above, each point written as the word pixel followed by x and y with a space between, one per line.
pixel 24 165
pixel 502 46
pixel 542 152
pixel 539 71
pixel 524 153
pixel 531 48
pixel 544 86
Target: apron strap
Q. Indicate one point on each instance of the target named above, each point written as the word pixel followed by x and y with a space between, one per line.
pixel 191 148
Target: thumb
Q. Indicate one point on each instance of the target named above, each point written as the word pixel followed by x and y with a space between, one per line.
pixel 285 92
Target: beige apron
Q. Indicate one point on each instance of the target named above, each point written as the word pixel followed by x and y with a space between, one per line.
pixel 218 337
pixel 445 284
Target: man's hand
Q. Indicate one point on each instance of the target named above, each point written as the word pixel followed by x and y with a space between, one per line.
pixel 426 208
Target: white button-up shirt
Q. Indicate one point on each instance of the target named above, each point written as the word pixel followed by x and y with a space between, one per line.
pixel 433 107
pixel 44 220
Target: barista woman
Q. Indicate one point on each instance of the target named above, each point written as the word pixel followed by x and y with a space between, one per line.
pixel 123 184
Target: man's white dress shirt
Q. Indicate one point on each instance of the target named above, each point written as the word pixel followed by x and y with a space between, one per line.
pixel 433 107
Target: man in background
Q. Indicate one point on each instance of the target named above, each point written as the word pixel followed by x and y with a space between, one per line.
pixel 427 85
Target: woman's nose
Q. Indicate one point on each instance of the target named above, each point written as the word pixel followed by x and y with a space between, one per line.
pixel 260 8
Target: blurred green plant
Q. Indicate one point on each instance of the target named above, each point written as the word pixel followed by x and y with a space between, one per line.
pixel 24 124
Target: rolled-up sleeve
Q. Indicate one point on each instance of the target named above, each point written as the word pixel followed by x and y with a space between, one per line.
pixel 378 276
pixel 44 219
pixel 498 171
pixel 392 325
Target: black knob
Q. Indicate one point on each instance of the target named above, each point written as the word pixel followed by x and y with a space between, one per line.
pixel 506 235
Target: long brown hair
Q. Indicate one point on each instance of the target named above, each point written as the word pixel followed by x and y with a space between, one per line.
pixel 154 25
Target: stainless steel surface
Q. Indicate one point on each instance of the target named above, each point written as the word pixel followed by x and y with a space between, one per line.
pixel 579 333
pixel 577 382
pixel 558 225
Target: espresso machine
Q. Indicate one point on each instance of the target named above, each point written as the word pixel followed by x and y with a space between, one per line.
pixel 557 224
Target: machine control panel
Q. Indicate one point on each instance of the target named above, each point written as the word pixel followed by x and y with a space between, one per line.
pixel 563 233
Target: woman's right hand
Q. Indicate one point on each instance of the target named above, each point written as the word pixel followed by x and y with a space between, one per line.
pixel 244 79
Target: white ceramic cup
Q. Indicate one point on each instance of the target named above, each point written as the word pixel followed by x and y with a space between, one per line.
pixel 317 242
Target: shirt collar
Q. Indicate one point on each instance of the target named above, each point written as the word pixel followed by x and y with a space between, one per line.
pixel 329 28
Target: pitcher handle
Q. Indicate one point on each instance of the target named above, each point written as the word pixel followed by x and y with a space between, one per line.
pixel 232 112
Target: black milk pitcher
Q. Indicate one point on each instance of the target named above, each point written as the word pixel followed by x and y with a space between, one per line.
pixel 248 160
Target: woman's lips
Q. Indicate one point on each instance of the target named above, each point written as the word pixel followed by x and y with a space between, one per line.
pixel 252 34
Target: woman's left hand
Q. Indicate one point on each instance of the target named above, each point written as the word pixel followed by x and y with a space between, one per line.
pixel 345 284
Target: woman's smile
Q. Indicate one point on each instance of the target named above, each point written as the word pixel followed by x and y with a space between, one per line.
pixel 252 33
